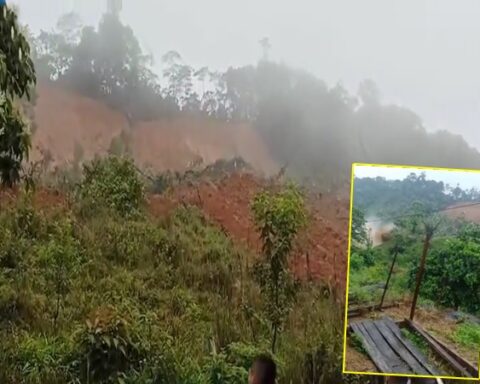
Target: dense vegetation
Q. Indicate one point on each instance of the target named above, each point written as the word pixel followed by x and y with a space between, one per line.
pixel 94 295
pixel 452 275
pixel 290 107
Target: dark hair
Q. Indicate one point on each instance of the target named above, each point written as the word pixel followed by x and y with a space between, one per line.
pixel 264 369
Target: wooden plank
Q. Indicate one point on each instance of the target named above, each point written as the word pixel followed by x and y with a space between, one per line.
pixel 358 311
pixel 466 365
pixel 440 350
pixel 372 351
pixel 397 365
pixel 410 347
pixel 409 355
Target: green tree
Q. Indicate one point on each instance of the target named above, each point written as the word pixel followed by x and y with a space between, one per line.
pixel 17 76
pixel 359 229
pixel 105 63
pixel 425 222
pixel 279 217
pixel 113 182
pixel 451 275
pixel 180 82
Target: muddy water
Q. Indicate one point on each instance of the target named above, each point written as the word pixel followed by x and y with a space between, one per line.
pixel 376 228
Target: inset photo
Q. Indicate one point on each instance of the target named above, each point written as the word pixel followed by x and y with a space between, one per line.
pixel 413 281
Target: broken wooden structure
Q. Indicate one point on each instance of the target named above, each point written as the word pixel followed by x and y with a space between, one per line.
pixel 392 353
pixel 363 310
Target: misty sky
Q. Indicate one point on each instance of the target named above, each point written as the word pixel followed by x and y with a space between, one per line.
pixel 465 179
pixel 423 54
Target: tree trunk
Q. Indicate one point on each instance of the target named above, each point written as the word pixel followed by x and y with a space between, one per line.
pixel 420 273
pixel 388 279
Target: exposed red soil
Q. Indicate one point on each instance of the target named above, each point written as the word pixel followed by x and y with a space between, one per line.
pixel 67 122
pixel 175 144
pixel 459 210
pixel 227 203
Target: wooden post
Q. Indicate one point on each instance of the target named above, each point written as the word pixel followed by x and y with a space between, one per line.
pixel 421 271
pixel 388 278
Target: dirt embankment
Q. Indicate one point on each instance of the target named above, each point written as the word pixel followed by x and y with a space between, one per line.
pixel 70 125
pixel 464 211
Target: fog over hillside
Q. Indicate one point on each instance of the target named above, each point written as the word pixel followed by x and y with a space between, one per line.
pixel 422 53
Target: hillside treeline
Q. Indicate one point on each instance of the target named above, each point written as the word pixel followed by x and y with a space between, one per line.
pixel 314 128
pixel 392 197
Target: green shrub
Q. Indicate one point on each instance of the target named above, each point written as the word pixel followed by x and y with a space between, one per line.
pixel 113 183
pixel 362 258
pixel 133 242
pixel 26 222
pixel 60 260
pixel 451 275
pixel 221 371
pixel 106 350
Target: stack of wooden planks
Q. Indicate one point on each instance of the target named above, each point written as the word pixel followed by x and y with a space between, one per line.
pixel 389 351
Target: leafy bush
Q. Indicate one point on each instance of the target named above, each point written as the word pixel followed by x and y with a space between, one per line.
pixel 106 350
pixel 361 258
pixel 220 371
pixel 114 183
pixel 451 274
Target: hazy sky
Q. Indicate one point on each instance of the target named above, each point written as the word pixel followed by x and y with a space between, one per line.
pixel 465 179
pixel 423 54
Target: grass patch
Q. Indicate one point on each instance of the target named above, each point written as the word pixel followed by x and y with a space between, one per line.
pixel 357 343
pixel 468 335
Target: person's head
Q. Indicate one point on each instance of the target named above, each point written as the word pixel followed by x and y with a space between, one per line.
pixel 263 371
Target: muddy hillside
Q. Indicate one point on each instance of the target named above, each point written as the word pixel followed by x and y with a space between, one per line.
pixel 70 126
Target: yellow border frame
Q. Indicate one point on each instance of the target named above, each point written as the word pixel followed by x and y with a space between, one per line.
pixel 344 360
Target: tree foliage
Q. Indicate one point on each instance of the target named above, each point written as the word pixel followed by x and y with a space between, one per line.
pixel 451 275
pixel 279 217
pixel 17 76
pixel 359 229
pixel 386 198
pixel 113 182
